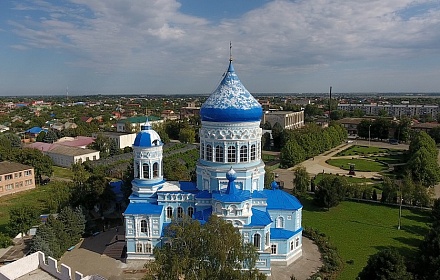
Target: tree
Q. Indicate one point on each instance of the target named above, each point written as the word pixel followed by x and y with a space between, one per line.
pixel 424 167
pixel 269 177
pixel 59 197
pixel 330 191
pixel 10 140
pixel 22 218
pixel 42 163
pixel 277 131
pixel 435 213
pixel 428 262
pixel 212 251
pixel 187 135
pixel 301 180
pixel 50 137
pixel 291 154
pixel 74 221
pixel 386 264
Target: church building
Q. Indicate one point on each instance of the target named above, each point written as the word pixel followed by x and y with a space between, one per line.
pixel 230 183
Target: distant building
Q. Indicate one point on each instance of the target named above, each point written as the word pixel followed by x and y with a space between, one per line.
pixel 66 156
pixel 350 124
pixel 122 139
pixel 392 110
pixel 135 123
pixel 287 119
pixel 189 111
pixel 15 177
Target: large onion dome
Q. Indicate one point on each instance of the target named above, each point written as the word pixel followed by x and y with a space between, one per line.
pixel 231 102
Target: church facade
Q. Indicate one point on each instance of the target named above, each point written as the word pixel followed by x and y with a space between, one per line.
pixel 230 183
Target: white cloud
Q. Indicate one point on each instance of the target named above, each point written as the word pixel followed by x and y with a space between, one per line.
pixel 154 36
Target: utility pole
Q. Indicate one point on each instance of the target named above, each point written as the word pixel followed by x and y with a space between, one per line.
pixel 330 105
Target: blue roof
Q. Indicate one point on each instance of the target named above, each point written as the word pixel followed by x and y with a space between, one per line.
pixel 143 208
pixel 258 194
pixel 259 218
pixel 279 233
pixel 203 216
pixel 35 130
pixel 147 137
pixel 204 194
pixel 187 186
pixel 236 196
pixel 280 200
pixel 231 102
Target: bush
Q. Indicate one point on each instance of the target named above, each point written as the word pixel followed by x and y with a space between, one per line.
pixel 5 241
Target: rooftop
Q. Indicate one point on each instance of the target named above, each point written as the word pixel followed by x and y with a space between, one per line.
pixel 7 167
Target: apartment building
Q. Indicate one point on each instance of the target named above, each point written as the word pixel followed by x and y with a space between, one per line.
pixel 392 109
pixel 15 177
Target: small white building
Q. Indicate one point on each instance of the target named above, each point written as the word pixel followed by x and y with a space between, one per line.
pixel 122 139
pixel 65 156
pixel 135 123
pixel 287 119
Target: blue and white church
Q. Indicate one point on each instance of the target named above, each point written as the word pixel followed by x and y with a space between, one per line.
pixel 230 183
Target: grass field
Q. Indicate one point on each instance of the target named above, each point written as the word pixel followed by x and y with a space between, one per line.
pixel 62 172
pixel 359 164
pixel 35 198
pixel 359 230
pixel 364 150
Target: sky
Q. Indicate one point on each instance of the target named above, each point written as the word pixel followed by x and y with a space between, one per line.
pixel 182 47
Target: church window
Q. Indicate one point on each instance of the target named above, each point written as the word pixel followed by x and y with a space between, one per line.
pixel 219 154
pixel 218 208
pixel 231 154
pixel 144 226
pixel 280 222
pixel 146 170
pixel 291 246
pixel 297 242
pixel 243 154
pixel 233 210
pixel 179 212
pixel 273 249
pixel 169 212
pixel 155 170
pixel 139 248
pixel 267 239
pixel 208 152
pixel 190 211
pixel 147 248
pixel 253 152
pixel 257 240
pixel 136 169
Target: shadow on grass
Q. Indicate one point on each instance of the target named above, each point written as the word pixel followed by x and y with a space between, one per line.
pixel 404 251
pixel 413 229
pixel 370 224
pixel 418 215
pixel 308 205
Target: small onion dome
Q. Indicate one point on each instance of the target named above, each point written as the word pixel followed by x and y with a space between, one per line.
pixel 231 102
pixel 274 185
pixel 147 137
pixel 231 175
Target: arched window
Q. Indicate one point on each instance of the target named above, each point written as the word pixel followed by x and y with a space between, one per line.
pixel 253 152
pixel 144 226
pixel 179 212
pixel 219 154
pixel 267 238
pixel 257 240
pixel 146 170
pixel 155 170
pixel 190 211
pixel 208 152
pixel 202 151
pixel 148 248
pixel 243 154
pixel 137 169
pixel 232 154
pixel 169 212
pixel 233 210
pixel 280 222
pixel 139 248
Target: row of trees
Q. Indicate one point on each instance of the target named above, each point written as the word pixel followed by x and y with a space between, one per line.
pixel 380 128
pixel 391 265
pixel 299 145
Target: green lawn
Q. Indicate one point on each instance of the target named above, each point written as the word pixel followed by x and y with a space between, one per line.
pixel 62 172
pixel 364 150
pixel 36 198
pixel 359 230
pixel 349 179
pixel 359 164
pixel 390 159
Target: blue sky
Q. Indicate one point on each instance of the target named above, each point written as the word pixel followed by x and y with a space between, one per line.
pixel 182 47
